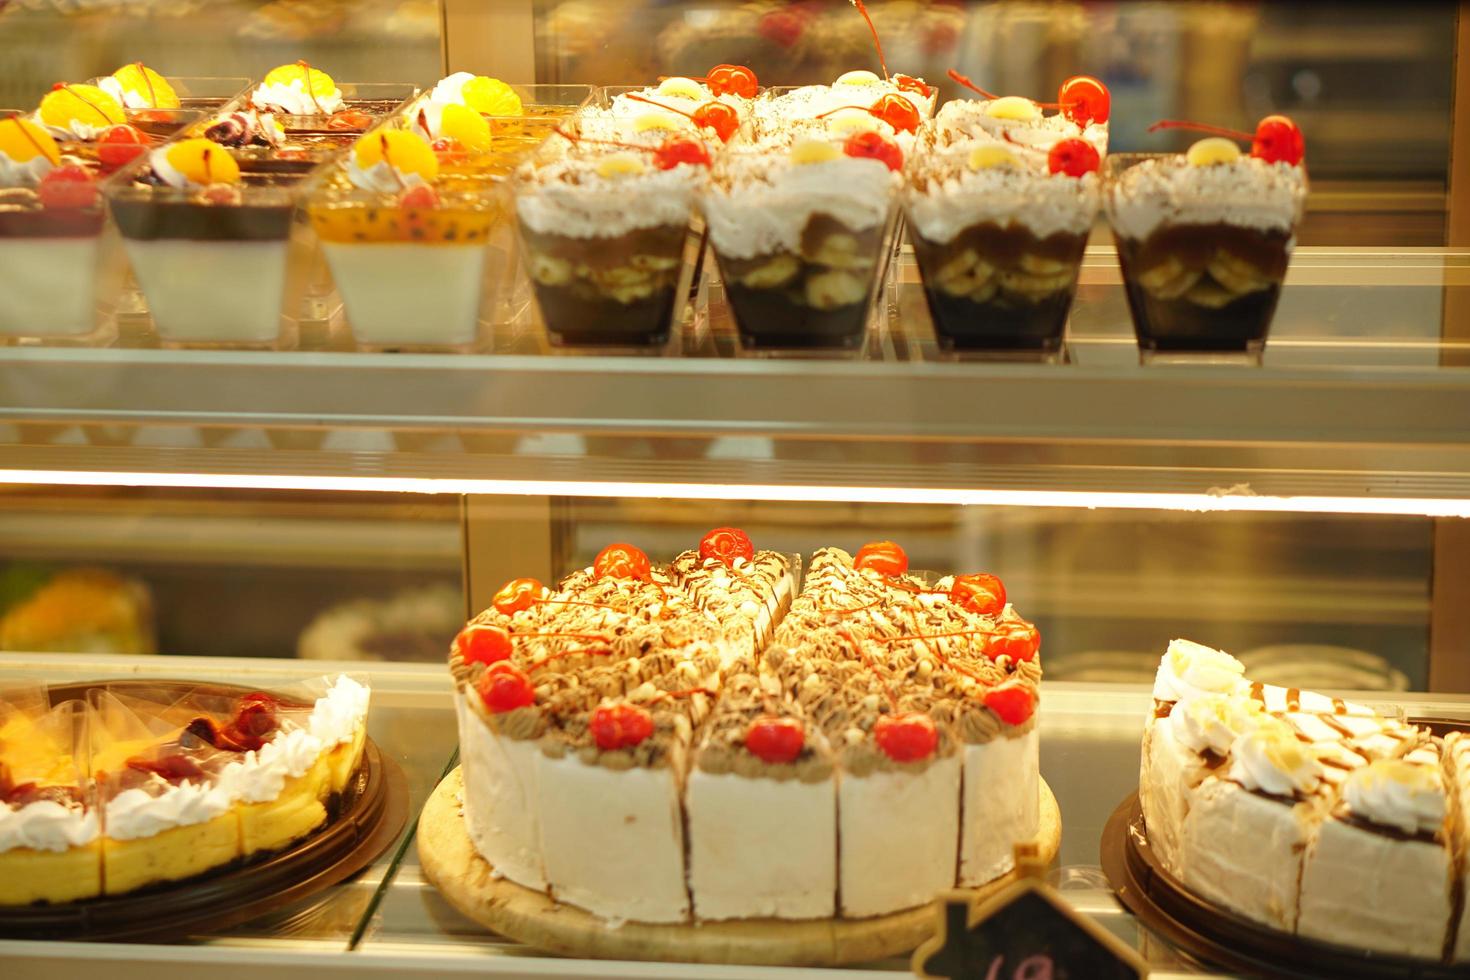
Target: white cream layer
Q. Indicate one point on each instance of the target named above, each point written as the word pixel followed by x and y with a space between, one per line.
pixel 46 826
pixel 1247 193
pixel 501 800
pixel 1041 202
pixel 885 865
pixel 1001 805
pixel 569 198
pixel 408 293
pixel 181 279
pixel 293 99
pixel 49 286
pixel 760 847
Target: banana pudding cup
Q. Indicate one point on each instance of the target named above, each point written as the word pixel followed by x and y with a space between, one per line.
pixel 1204 239
pixel 802 235
pixel 999 243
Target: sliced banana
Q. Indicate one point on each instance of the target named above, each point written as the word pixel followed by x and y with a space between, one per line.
pixel 680 87
pixel 1211 151
pixel 1236 274
pixel 631 293
pixel 840 251
pixel 1170 279
pixel 805 152
pixel 660 122
pixel 983 292
pixel 957 267
pixel 620 165
pixel 829 290
pixel 988 156
pixel 1013 107
pixel 549 270
pixel 1210 296
pixel 777 272
pixel 1039 265
pixel 849 121
pixel 623 275
pixel 1033 287
pixel 859 77
pixel 653 263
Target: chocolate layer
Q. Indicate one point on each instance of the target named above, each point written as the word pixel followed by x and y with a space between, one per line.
pixel 147 220
pixel 575 319
pixel 23 222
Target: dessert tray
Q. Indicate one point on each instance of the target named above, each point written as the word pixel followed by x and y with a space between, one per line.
pixel 472 886
pixel 1214 934
pixel 364 821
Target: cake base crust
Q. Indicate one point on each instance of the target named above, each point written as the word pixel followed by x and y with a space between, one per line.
pixel 467 881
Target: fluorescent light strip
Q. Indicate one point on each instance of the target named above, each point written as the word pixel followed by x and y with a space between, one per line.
pixel 1244 502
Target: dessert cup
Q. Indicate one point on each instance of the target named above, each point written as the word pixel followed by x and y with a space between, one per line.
pixel 1203 250
pixel 188 233
pixel 802 247
pixel 411 273
pixel 60 267
pixel 999 250
pixel 605 239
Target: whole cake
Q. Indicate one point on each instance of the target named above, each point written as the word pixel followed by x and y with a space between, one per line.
pixel 124 791
pixel 704 741
pixel 1310 814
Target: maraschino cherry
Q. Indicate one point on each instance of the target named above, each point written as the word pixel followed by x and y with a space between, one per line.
pixel 732 80
pixel 1082 99
pixel 1276 140
pixel 175 767
pixel 1019 641
pixel 979 592
pixel 119 146
pixel 667 155
pixel 884 557
pixel 620 726
pixel 490 644
pixel 516 595
pixel 775 740
pixel 908 83
pixel 725 544
pixel 1073 156
pixel 894 110
pixel 719 116
pixel 1012 703
pixel 67 186
pixel 504 688
pixel 873 145
pixel 907 736
pixel 622 561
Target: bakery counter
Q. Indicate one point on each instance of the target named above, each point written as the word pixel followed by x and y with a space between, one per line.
pixel 390 922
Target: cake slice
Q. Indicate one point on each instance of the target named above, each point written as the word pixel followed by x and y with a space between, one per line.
pixel 50 849
pixel 747 591
pixel 1245 829
pixel 339 722
pixel 1456 755
pixel 761 801
pixel 1379 872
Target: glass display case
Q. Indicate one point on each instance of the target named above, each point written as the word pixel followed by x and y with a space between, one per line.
pixel 183 511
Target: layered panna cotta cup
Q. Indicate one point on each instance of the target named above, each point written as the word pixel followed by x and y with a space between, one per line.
pixel 1204 239
pixel 190 220
pixel 308 101
pixel 407 246
pixel 605 228
pixel 999 241
pixel 802 234
pixel 145 94
pixel 59 262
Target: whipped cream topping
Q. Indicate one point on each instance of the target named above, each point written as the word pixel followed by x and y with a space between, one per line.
pixel 945 197
pixel 339 714
pixel 28 174
pixel 127 98
pixel 75 130
pixel 966 120
pixel 293 99
pixel 809 101
pixel 428 115
pixel 1212 722
pixel 761 202
pixel 46 826
pixel 261 775
pixel 1191 669
pixel 136 813
pixel 381 177
pixel 569 197
pixel 1399 794
pixel 623 107
pixel 1247 193
pixel 451 88
pixel 1270 758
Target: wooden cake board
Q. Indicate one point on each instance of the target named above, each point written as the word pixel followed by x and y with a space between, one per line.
pixel 465 879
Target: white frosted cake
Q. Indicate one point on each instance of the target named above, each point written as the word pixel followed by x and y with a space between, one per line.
pixel 703 742
pixel 1310 814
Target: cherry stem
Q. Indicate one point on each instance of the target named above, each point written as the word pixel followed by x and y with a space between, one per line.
pixel 667 108
pixel 844 108
pixel 576 138
pixel 571 602
pixel 590 652
pixel 208 167
pixel 863 9
pixel 868 663
pixel 310 94
pixel 1186 124
pixel 938 655
pixel 965 81
pixel 398 178
pixel 927 636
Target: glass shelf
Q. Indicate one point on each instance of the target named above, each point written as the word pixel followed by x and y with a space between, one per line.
pixel 1089 755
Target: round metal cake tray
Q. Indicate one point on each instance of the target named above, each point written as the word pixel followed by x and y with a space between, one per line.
pixel 1217 936
pixel 364 822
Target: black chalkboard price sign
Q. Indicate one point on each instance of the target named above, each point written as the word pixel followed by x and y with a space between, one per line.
pixel 1027 932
